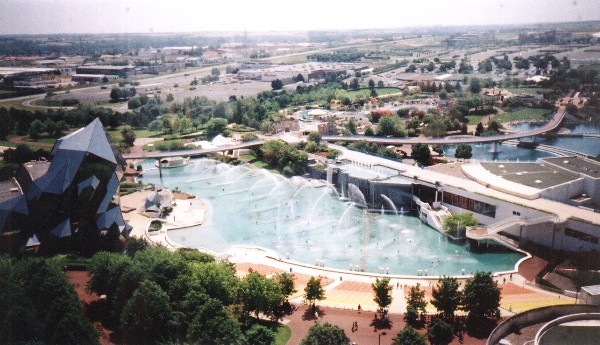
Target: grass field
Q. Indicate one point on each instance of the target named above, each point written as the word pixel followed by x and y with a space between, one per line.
pixel 527 90
pixel 284 333
pixel 475 119
pixel 366 93
pixel 522 114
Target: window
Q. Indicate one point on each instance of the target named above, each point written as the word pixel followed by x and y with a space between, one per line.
pixel 515 213
pixel 470 204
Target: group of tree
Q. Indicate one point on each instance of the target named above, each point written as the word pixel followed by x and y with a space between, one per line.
pixel 282 156
pixel 156 296
pixel 39 304
pixel 480 298
pixel 117 94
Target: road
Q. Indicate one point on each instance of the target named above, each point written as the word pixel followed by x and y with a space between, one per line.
pixel 551 125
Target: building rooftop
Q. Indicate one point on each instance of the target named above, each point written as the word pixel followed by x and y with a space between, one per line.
pixel 534 175
pixel 36 169
pixel 577 165
pixel 593 290
pixel 9 189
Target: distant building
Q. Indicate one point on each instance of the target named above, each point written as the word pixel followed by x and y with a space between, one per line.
pixel 67 203
pixel 121 71
pixel 470 39
pixel 15 78
pixel 545 36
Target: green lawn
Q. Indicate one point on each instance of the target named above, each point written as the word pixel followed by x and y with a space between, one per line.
pixel 284 333
pixel 40 140
pixel 527 90
pixel 366 93
pixel 522 114
pixel 474 119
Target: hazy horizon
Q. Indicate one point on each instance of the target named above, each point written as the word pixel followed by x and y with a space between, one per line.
pixel 136 16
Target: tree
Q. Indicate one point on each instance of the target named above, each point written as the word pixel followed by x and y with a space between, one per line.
pixel 260 335
pixel 215 126
pixel 36 128
pixel 116 94
pixel 479 129
pixel 416 298
pixel 475 85
pixel 170 97
pixel 354 84
pixel 383 294
pixel 7 123
pixel 369 132
pixel 443 94
pixel 438 149
pixel 481 296
pixel 409 336
pixel 440 333
pixel 213 324
pixel 134 103
pixel 215 72
pixel 463 151
pixel 314 137
pixel 277 84
pixel 391 125
pixel 128 135
pixel 446 297
pixel 571 109
pixel 457 223
pixel 325 334
pixel 259 294
pixel 147 317
pixel 371 84
pixel 351 126
pixel 314 291
pixel 155 126
pixel 421 153
pixel 380 83
pixel 286 284
pixel 299 78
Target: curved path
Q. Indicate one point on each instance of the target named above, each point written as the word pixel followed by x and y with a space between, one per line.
pixel 190 153
pixel 551 125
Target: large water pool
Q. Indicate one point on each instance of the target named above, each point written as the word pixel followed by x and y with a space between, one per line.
pixel 305 220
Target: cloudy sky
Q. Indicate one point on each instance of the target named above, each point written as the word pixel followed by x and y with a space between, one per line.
pixel 132 16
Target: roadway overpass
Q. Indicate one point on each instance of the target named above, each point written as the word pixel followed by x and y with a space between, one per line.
pixel 190 153
pixel 463 139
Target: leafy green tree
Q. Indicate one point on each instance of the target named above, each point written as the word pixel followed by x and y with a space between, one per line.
pixel 440 333
pixel 325 334
pixel 61 127
pixel 147 317
pixel 170 97
pixel 479 129
pixel 105 270
pixel 351 126
pixel 299 77
pixel 463 151
pixel 391 125
pixel 277 84
pixel 213 324
pixel 421 153
pixel 571 109
pixel 369 132
pixel 314 137
pixel 383 294
pixel 354 84
pixel 134 103
pixel 128 135
pixel 416 298
pixel 457 223
pixel 259 294
pixel 215 72
pixel 36 128
pixel 446 297
pixel 260 335
pixel 409 336
pixel 438 149
pixel 116 94
pixel 475 85
pixel 286 284
pixel 7 123
pixel 314 291
pixel 371 84
pixel 443 94
pixel 481 296
pixel 215 126
pixel 216 279
pixel 380 83
pixel 49 126
pixel 155 126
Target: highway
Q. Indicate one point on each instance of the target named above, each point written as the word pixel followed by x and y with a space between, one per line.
pixel 464 139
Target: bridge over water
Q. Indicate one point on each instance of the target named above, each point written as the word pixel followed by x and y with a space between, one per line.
pixel 191 153
pixel 464 139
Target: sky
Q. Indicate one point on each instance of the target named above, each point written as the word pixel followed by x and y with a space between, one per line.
pixel 147 16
